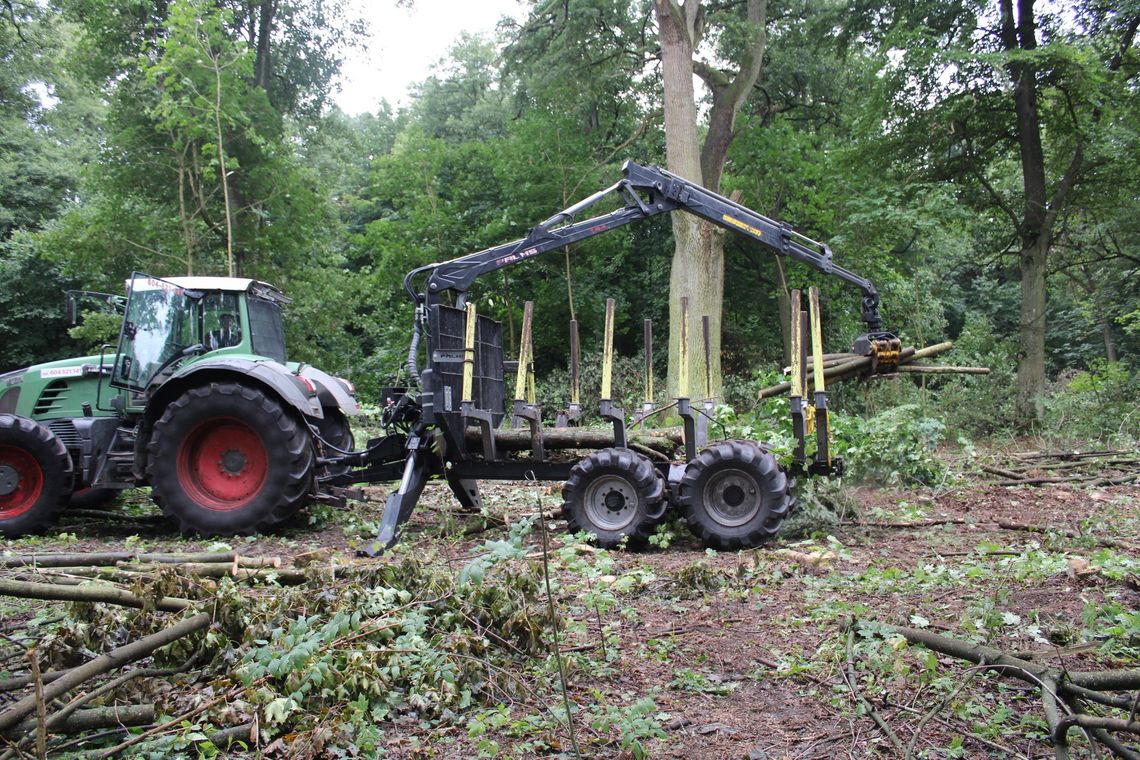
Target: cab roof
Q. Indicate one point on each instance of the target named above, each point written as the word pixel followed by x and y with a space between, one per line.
pixel 227 284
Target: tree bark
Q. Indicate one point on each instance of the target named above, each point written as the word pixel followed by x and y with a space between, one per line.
pixel 263 67
pixel 698 259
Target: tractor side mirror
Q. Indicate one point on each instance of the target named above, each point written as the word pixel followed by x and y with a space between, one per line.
pixel 72 309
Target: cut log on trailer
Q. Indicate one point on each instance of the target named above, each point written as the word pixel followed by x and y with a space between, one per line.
pixel 842 368
pixel 665 440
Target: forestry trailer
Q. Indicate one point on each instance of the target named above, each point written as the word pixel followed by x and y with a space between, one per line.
pixel 733 493
pixel 233 439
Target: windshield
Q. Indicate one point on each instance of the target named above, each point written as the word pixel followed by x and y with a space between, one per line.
pixel 221 321
pixel 267 329
pixel 157 327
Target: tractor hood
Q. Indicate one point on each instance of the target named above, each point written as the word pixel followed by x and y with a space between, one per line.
pixel 39 376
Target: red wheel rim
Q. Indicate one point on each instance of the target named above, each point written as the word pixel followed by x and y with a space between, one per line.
pixel 222 464
pixel 29 481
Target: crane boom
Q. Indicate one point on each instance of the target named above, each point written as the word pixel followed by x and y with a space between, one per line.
pixel 647 191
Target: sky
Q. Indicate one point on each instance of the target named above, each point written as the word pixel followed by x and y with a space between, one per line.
pixel 406 42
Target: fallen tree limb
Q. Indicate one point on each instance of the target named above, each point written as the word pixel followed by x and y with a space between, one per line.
pixel 852 684
pixel 911 524
pixel 86 697
pixel 1091 722
pixel 116 658
pixel 94 718
pixel 1008 474
pixel 1100 680
pixel 87 593
pixel 1061 690
pixel 172 723
pixel 110 558
pixel 1070 454
pixel 218 570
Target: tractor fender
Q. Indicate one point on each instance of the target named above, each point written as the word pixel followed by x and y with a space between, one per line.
pixel 276 377
pixel 332 392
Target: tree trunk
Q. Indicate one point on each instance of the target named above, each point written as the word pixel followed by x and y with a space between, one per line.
pixel 698 258
pixel 1109 341
pixel 263 67
pixel 1031 350
pixel 1035 229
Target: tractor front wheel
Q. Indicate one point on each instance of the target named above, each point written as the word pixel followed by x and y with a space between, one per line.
pixel 735 495
pixel 226 459
pixel 35 476
pixel 615 494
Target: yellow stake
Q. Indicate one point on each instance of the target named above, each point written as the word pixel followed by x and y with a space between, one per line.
pixel 608 351
pixel 816 339
pixel 469 354
pixel 524 352
pixel 797 347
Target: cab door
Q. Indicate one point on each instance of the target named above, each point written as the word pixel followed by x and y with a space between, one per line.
pixel 157 328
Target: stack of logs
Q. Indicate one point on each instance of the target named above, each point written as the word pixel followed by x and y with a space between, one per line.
pixel 1107 467
pixel 838 367
pixel 37 703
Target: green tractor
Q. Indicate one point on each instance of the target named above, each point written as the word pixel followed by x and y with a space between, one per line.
pixel 199 402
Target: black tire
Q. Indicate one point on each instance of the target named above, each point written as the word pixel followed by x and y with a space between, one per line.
pixel 336 432
pixel 35 476
pixel 93 498
pixel 225 459
pixel 734 495
pixel 615 494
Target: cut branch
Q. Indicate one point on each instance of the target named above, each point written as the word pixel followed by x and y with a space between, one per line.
pixel 88 593
pixel 116 658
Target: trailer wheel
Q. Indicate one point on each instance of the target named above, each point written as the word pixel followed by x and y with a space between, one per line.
pixel 35 476
pixel 614 494
pixel 226 459
pixel 735 495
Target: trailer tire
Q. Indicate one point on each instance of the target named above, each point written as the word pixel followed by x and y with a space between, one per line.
pixel 616 495
pixel 35 476
pixel 735 495
pixel 226 459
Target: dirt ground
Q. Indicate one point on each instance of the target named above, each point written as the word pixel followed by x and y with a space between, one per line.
pixel 744 654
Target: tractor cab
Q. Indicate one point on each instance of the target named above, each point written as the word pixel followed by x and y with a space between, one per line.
pixel 169 321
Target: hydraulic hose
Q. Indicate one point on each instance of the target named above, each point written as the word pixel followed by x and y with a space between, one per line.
pixel 414 350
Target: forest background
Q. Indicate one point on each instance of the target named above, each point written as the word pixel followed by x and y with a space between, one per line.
pixel 199 136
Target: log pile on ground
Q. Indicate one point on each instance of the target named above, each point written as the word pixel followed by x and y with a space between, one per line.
pixel 846 366
pixel 95 645
pixel 1108 467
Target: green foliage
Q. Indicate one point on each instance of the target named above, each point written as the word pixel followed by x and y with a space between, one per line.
pixel 895 446
pixel 32 317
pixel 635 725
pixel 1099 404
pixel 415 639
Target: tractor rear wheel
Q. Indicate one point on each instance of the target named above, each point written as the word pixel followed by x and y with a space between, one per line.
pixel 337 433
pixel 35 476
pixel 735 495
pixel 615 494
pixel 226 459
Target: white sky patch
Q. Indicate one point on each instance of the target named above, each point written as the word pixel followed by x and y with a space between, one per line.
pixel 406 42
